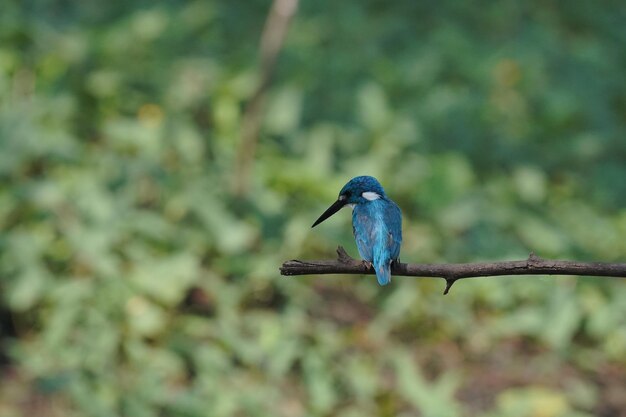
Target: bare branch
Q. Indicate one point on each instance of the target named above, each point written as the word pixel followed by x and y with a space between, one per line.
pixel 272 40
pixel 534 265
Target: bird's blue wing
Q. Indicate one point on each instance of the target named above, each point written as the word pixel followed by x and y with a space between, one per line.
pixel 392 218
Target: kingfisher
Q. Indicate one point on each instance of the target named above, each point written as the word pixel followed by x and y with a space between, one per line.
pixel 376 223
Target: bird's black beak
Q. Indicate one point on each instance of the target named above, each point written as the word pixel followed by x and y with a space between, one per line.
pixel 337 205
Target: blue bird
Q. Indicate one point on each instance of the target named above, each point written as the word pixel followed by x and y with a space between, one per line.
pixel 376 223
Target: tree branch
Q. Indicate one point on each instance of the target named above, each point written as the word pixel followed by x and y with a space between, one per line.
pixel 534 265
pixel 272 40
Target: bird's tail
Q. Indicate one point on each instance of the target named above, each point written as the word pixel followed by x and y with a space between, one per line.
pixel 383 271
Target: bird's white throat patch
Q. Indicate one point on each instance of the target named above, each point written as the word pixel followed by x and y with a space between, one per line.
pixel 370 195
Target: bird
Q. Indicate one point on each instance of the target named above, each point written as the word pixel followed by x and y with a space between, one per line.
pixel 376 223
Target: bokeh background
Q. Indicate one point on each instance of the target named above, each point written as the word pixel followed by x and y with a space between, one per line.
pixel 138 280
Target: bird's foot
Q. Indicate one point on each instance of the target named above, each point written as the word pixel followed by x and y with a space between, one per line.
pixel 367 264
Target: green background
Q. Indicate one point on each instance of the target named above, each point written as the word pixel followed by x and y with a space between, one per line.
pixel 134 282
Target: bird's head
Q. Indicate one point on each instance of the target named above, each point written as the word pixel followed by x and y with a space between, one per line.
pixel 359 190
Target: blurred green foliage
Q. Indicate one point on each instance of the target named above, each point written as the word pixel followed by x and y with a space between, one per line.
pixel 134 283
